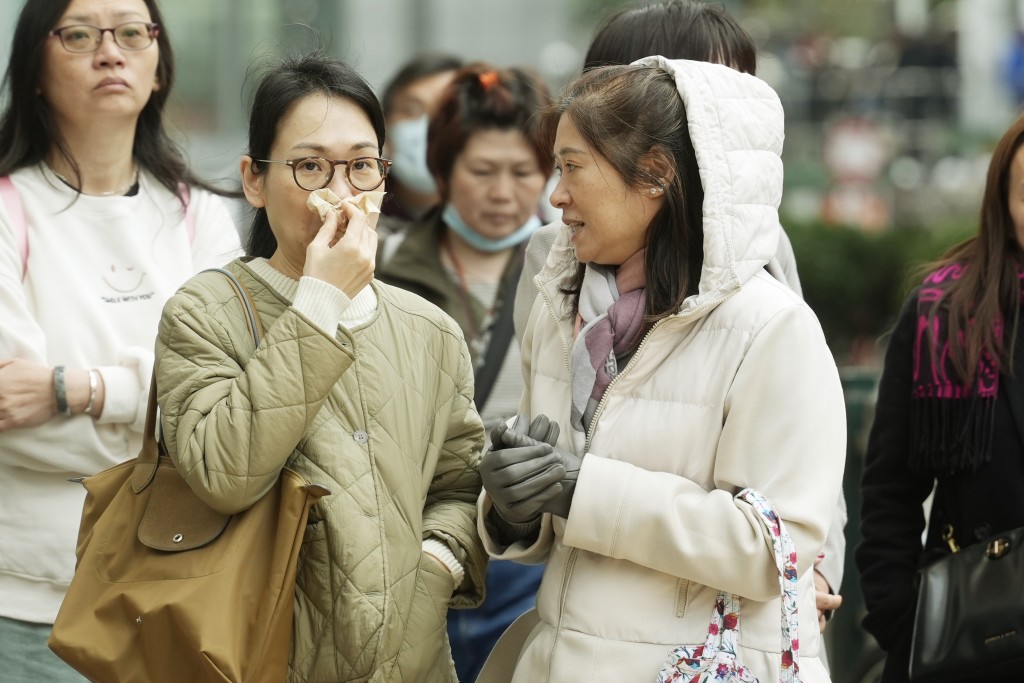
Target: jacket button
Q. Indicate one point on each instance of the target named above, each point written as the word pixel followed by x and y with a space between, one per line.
pixel 982 531
pixel 361 437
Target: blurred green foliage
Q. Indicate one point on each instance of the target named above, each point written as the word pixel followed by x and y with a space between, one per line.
pixel 855 281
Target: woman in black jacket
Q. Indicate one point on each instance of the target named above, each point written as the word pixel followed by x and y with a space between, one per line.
pixel 950 413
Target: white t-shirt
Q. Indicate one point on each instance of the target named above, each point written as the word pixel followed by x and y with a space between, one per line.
pixel 99 270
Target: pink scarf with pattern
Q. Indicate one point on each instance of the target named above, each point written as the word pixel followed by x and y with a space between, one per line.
pixel 608 326
pixel 951 423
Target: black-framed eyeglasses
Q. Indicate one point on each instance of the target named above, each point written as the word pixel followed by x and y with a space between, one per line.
pixel 314 173
pixel 133 35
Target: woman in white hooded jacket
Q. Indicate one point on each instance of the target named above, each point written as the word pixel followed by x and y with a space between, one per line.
pixel 678 373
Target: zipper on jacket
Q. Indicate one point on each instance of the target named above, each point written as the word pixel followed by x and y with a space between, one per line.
pixel 574 553
pixel 558 326
pixel 566 574
pixel 636 355
pixel 571 561
pixel 604 397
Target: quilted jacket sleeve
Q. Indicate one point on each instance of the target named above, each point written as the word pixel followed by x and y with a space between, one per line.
pixel 230 424
pixel 450 509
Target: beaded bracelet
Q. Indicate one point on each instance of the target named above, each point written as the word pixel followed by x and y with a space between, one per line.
pixel 60 388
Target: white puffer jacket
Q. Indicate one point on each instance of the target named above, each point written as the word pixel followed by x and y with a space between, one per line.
pixel 738 389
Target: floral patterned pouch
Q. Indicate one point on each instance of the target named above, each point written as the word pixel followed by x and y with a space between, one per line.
pixel 716 660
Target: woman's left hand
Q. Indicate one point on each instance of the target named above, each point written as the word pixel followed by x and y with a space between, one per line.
pixel 824 599
pixel 27 394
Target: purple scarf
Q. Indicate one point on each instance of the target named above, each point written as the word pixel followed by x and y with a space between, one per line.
pixel 952 423
pixel 608 326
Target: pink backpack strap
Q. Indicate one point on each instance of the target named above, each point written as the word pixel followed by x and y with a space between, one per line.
pixel 190 213
pixel 9 196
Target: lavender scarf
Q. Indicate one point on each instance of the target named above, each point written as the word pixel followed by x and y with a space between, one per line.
pixel 608 326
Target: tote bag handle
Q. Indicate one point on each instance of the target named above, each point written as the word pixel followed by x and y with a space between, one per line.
pixel 149 457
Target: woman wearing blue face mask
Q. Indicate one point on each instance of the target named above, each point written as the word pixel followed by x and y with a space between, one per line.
pixel 465 256
pixel 409 100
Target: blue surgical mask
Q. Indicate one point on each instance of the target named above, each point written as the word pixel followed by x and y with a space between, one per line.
pixel 408 142
pixel 454 221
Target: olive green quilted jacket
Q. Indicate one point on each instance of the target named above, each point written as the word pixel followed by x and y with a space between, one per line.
pixel 381 415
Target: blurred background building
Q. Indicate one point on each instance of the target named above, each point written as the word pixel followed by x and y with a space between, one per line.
pixel 877 107
pixel 892 107
pixel 891 104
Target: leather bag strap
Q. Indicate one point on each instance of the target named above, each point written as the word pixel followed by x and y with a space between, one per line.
pixel 149 457
pixel 501 337
pixel 252 318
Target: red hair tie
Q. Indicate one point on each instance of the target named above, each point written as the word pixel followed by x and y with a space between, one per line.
pixel 489 79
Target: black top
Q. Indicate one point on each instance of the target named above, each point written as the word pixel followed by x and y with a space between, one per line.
pixel 977 503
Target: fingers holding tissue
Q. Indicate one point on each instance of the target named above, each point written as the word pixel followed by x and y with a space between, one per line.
pixel 343 252
pixel 324 200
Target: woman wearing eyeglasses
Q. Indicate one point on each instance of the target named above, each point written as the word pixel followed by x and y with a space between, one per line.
pixel 100 222
pixel 357 386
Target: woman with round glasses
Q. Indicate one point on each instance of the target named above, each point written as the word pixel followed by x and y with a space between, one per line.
pixel 315 173
pixel 357 386
pixel 100 222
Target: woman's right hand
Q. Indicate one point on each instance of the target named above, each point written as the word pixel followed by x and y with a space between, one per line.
pixel 520 479
pixel 27 399
pixel 346 261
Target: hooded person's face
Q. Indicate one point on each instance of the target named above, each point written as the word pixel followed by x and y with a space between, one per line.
pixel 608 219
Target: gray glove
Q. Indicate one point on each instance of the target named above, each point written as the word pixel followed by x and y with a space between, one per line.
pixel 512 475
pixel 541 429
pixel 567 463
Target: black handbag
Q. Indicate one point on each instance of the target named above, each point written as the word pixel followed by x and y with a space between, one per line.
pixel 969 623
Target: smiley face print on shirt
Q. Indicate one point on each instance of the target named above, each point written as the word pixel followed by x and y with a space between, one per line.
pixel 126 284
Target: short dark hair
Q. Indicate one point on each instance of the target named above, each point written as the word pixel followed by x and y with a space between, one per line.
pixel 420 67
pixel 28 130
pixel 482 97
pixel 634 118
pixel 291 80
pixel 674 29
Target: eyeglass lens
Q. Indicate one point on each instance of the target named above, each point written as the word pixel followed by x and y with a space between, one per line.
pixel 130 36
pixel 363 173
